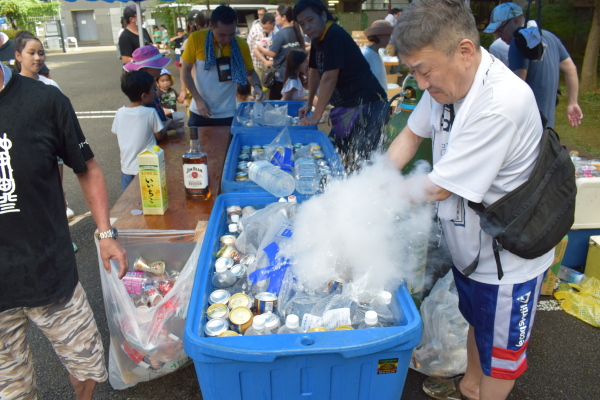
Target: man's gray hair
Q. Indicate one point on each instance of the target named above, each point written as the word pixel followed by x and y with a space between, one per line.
pixel 441 24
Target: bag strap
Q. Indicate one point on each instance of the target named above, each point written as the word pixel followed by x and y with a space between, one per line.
pixel 496 246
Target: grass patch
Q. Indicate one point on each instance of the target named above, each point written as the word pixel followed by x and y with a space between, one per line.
pixel 585 136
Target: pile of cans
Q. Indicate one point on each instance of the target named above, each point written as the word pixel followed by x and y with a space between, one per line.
pixel 149 282
pixel 256 152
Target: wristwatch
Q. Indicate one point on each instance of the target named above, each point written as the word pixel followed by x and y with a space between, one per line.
pixel 111 233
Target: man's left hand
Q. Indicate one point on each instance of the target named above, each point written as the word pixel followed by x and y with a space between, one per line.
pixel 574 114
pixel 110 249
pixel 310 120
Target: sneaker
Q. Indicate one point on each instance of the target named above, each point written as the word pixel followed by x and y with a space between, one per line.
pixel 443 388
pixel 70 213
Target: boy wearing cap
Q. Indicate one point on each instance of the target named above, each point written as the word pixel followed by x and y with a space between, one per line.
pixel 379 35
pixel 541 75
pixel 222 61
pixel 129 39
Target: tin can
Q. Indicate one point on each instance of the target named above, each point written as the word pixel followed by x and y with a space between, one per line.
pixel 238 270
pixel 248 259
pixel 227 240
pixel 256 147
pixel 224 261
pixel 265 302
pixel 231 252
pixel 244 157
pixel 215 327
pixel 219 296
pixel 242 176
pixel 344 328
pixel 217 310
pixel 317 329
pixel 315 147
pixel 318 154
pixel 272 322
pixel 239 300
pixel 229 333
pixel 156 267
pixel 246 147
pixel 241 319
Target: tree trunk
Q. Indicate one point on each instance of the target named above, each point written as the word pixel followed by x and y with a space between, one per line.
pixel 589 70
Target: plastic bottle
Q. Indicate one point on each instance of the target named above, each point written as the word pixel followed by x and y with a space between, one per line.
pixel 223 277
pixel 381 305
pixel 291 325
pixel 258 111
pixel 232 229
pixel 306 173
pixel 271 178
pixel 371 321
pixel 258 327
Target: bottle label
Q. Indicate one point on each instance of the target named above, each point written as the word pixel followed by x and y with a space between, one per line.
pixel 195 176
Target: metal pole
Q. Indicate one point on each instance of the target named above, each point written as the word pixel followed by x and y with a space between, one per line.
pixel 60 30
pixel 138 11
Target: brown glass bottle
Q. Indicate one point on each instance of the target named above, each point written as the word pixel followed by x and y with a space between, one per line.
pixel 195 170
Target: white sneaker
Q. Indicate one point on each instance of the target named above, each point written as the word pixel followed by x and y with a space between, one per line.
pixel 70 213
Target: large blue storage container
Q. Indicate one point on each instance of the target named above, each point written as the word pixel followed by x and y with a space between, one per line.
pixel 359 364
pixel 249 136
pixel 293 107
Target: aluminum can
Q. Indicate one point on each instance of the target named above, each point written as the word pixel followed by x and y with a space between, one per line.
pixel 246 147
pixel 272 322
pixel 229 333
pixel 217 310
pixel 231 252
pixel 238 270
pixel 239 300
pixel 344 328
pixel 214 327
pixel 244 157
pixel 265 302
pixel 156 267
pixel 317 329
pixel 241 319
pixel 248 259
pixel 242 176
pixel 318 154
pixel 226 240
pixel 219 296
pixel 256 147
pixel 226 261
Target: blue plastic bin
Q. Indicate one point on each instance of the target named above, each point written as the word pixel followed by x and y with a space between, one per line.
pixel 250 137
pixel 577 247
pixel 358 364
pixel 293 107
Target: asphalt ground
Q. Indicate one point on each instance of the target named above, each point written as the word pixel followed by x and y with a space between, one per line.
pixel 564 351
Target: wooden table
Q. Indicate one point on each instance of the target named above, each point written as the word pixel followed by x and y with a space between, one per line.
pixel 181 214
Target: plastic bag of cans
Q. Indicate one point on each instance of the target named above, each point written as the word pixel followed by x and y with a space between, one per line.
pixel 585 168
pixel 146 310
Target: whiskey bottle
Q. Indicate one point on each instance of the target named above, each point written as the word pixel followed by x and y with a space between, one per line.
pixel 195 170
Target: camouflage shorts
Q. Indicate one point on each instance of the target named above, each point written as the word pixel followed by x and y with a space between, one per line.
pixel 70 327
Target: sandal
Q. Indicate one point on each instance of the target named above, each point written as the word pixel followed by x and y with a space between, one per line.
pixel 443 388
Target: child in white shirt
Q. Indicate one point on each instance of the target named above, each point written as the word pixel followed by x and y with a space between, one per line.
pixel 137 127
pixel 295 77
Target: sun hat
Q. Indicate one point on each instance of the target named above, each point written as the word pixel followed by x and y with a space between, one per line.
pixel 146 57
pixel 501 13
pixel 130 11
pixel 379 27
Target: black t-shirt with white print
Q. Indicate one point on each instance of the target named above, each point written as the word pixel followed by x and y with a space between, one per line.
pixel 37 124
pixel 356 83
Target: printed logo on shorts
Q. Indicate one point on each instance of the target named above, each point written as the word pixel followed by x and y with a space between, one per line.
pixel 524 298
pixel 523 322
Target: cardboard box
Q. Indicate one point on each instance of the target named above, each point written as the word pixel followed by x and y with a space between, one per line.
pixel 592 264
pixel 153 181
pixel 552 274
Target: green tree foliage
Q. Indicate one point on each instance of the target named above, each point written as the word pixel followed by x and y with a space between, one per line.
pixel 17 11
pixel 562 19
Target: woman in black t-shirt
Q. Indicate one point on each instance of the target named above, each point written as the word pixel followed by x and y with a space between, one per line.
pixel 343 76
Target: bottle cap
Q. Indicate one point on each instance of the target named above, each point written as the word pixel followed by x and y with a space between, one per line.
pixel 235 218
pixel 233 228
pixel 291 321
pixel 386 297
pixel 156 148
pixel 292 199
pixel 258 322
pixel 371 317
pixel 220 268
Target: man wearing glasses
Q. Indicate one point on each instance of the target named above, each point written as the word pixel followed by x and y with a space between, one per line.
pixel 541 75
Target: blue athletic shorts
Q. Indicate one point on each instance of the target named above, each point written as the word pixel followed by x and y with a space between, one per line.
pixel 502 317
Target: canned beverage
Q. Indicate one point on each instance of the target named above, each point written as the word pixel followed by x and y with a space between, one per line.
pixel 256 147
pixel 241 319
pixel 244 157
pixel 245 151
pixel 227 240
pixel 317 329
pixel 217 310
pixel 344 328
pixel 238 270
pixel 165 286
pixel 246 147
pixel 248 259
pixel 229 333
pixel 311 144
pixel 315 147
pixel 242 166
pixel 242 176
pixel 272 322
pixel 224 261
pixel 219 296
pixel 239 300
pixel 214 327
pixel 133 282
pixel 156 267
pixel 318 154
pixel 265 302
pixel 231 252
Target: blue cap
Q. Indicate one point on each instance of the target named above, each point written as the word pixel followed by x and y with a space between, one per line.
pixel 501 13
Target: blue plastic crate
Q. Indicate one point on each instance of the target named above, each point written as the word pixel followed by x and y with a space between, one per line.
pixel 293 107
pixel 266 136
pixel 577 247
pixel 358 364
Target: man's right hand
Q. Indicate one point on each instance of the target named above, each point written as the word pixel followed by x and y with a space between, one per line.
pixel 203 108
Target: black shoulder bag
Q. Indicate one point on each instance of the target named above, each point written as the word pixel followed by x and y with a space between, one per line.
pixel 532 219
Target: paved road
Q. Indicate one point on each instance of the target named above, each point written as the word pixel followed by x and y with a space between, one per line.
pixel 564 351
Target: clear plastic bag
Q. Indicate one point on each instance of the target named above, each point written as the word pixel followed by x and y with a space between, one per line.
pixel 276 115
pixel 443 349
pixel 279 151
pixel 146 343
